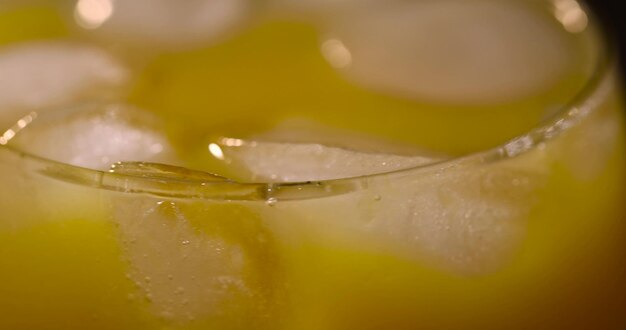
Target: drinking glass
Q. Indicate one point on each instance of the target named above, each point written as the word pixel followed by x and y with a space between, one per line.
pixel 526 234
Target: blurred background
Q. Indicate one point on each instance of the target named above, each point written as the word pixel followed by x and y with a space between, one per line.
pixel 612 13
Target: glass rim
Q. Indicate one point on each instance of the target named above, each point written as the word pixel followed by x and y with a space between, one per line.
pixel 209 186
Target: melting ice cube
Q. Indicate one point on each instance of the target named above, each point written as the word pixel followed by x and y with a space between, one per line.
pixel 95 136
pixel 469 218
pixel 200 261
pixel 44 74
pixel 451 51
pixel 299 162
pixel 162 22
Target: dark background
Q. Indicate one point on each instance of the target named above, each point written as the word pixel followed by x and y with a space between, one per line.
pixel 613 16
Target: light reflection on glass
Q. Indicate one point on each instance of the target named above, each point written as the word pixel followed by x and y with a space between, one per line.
pixel 216 151
pixel 21 124
pixel 230 142
pixel 8 135
pixel 571 15
pixel 90 14
pixel 336 53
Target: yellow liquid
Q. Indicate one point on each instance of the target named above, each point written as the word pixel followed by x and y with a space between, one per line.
pixel 76 257
pixel 275 72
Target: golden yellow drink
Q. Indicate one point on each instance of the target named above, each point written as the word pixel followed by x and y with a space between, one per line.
pixel 306 188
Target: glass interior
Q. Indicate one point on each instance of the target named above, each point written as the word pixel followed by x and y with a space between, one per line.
pixel 494 236
pixel 166 180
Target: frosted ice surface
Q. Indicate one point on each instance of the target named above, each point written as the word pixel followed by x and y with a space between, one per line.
pixel 180 271
pixel 471 221
pixel 97 136
pixel 169 22
pixel 299 162
pixel 451 51
pixel 43 74
pixel 468 221
pixel 466 218
pixel 193 261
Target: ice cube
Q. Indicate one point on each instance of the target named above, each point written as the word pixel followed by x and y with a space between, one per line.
pixel 95 136
pixel 469 221
pixel 451 51
pixel 165 23
pixel 45 74
pixel 463 216
pixel 303 130
pixel 300 162
pixel 199 261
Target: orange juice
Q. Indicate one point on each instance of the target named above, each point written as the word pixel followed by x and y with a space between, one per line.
pixel 309 165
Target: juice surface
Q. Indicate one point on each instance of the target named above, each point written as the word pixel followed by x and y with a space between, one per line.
pixel 490 245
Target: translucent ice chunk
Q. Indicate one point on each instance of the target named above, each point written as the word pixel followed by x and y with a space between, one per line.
pixel 299 162
pixel 461 216
pixel 199 262
pixel 470 221
pixel 97 136
pixel 451 51
pixel 162 22
pixel 44 74
pixel 302 130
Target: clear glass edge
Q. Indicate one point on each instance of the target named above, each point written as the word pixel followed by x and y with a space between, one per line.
pixel 580 106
